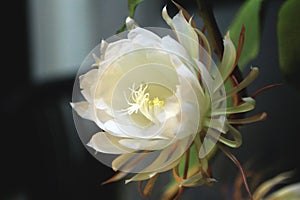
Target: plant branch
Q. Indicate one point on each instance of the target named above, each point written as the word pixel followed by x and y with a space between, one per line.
pixel 215 36
pixel 206 12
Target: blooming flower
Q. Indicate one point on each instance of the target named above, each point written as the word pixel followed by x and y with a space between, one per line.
pixel 156 95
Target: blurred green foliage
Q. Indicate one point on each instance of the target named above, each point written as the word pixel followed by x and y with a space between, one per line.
pixel 248 16
pixel 288 30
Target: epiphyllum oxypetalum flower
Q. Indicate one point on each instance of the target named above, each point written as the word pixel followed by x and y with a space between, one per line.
pixel 156 95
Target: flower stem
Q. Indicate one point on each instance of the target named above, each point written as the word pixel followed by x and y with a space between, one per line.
pixel 206 12
pixel 185 173
pixel 215 35
pixel 186 163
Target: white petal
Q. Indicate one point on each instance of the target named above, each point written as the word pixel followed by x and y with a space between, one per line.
pixel 146 144
pixel 160 161
pixel 190 120
pixel 88 82
pixel 205 76
pixel 171 127
pixel 98 59
pixel 174 47
pixel 126 129
pixel 189 88
pixel 117 48
pixel 88 111
pixel 103 46
pixel 185 32
pixel 210 86
pixel 166 17
pixel 114 129
pixel 144 37
pixel 172 107
pixel 172 153
pixel 228 59
pixel 217 123
pixel 185 70
pixel 101 105
pixel 101 143
pixel 84 110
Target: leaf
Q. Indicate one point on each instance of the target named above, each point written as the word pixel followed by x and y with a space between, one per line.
pixel 289 42
pixel 249 16
pixel 132 4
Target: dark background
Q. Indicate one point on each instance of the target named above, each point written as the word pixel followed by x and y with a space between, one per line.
pixel 42 156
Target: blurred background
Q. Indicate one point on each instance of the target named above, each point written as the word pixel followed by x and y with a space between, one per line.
pixel 45 42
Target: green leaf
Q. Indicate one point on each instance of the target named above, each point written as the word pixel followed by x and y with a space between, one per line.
pixel 289 41
pixel 132 4
pixel 249 16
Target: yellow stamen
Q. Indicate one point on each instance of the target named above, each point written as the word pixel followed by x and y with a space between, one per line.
pixel 156 102
pixel 140 101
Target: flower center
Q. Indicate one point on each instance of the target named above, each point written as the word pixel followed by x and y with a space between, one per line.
pixel 142 107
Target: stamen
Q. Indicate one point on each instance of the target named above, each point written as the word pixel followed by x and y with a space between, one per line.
pixel 156 102
pixel 139 97
pixel 140 101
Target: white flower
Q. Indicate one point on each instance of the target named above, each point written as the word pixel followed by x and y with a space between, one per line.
pixel 155 92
